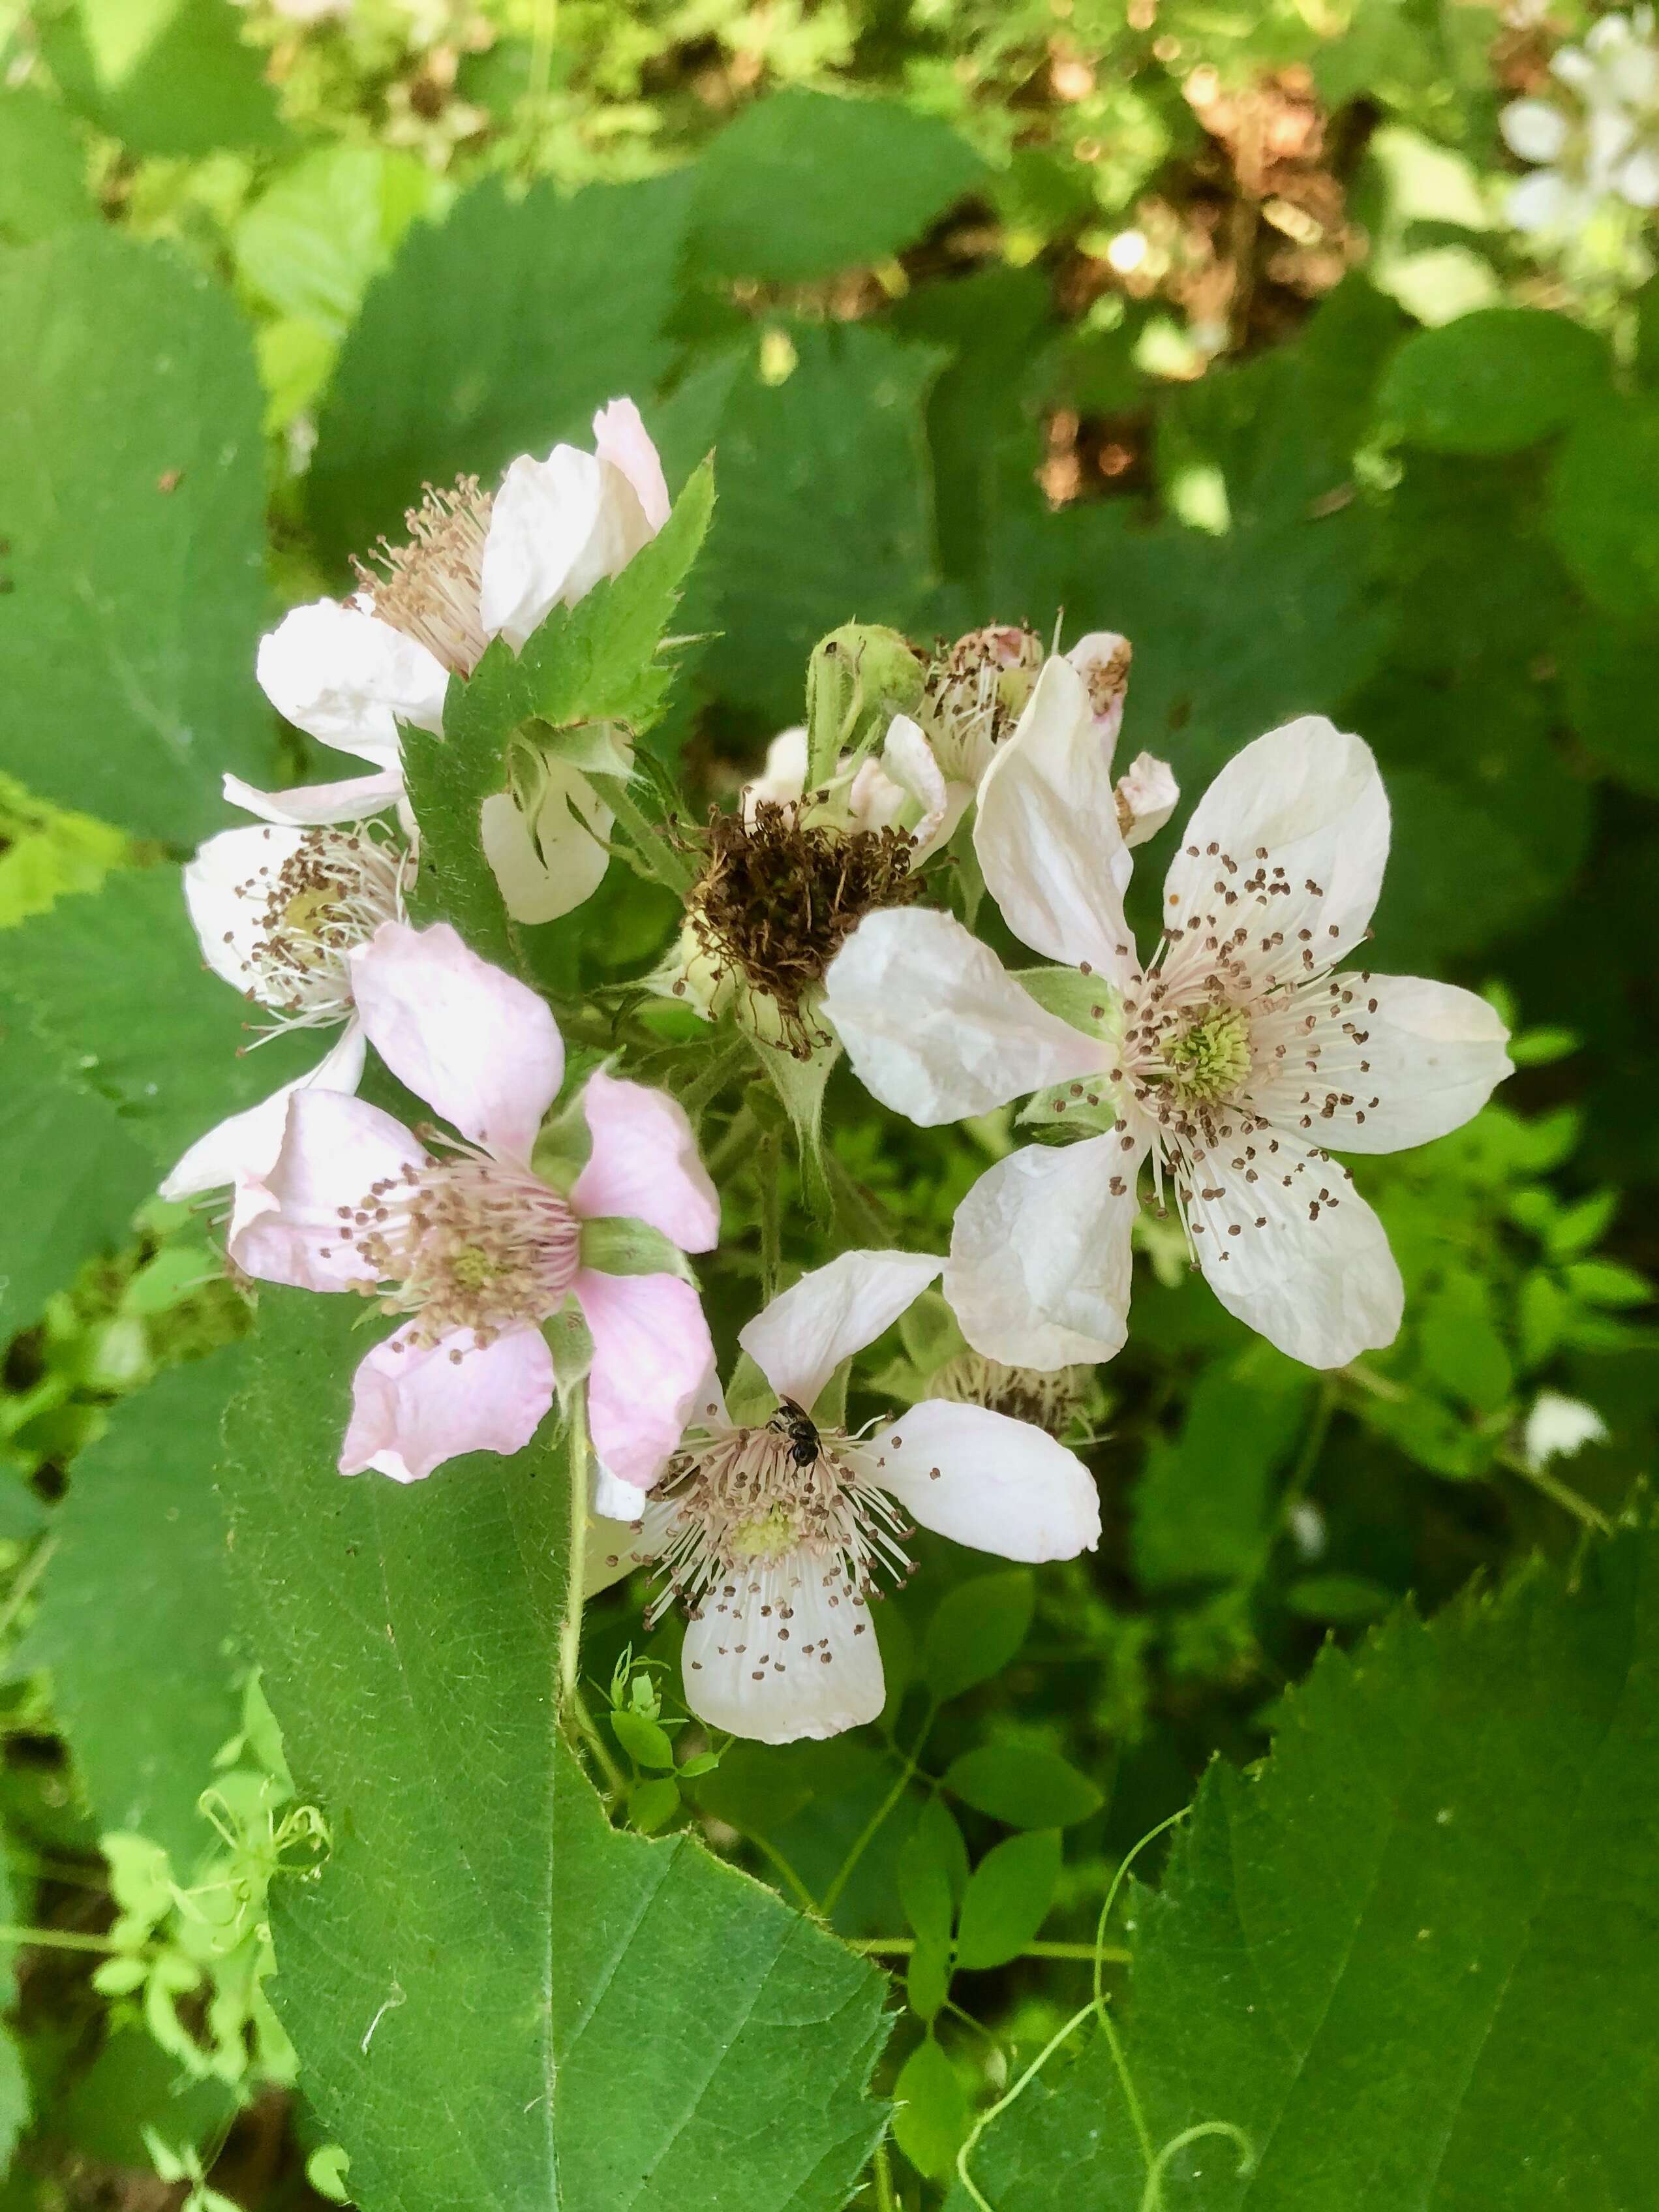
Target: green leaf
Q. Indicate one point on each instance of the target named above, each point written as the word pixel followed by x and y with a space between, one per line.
pixel 168 79
pixel 1462 1348
pixel 1408 1956
pixel 1024 1785
pixel 1493 381
pixel 1009 1893
pixel 15 2097
pixel 976 1629
pixel 325 226
pixel 131 500
pixel 931 2112
pixel 645 1740
pixel 43 169
pixel 497 1998
pixel 1606 1282
pixel 932 1872
pixel 135 1619
pixel 1614 701
pixel 1602 513
pixel 1340 1598
pixel 785 193
pixel 495 332
pixel 1203 1505
pixel 617 1246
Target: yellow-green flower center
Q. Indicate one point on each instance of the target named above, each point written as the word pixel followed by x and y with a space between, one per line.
pixel 1211 1057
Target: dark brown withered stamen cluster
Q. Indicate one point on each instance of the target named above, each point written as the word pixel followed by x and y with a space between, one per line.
pixel 778 897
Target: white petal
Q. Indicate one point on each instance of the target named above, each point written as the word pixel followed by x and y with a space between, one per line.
pixel 481 1048
pixel 1638 177
pixel 241 1151
pixel 1297 1256
pixel 934 1024
pixel 802 1337
pixel 1047 832
pixel 311 804
pixel 349 678
pixel 1534 130
pixel 907 759
pixel 791 1653
pixel 983 1478
pixel 785 775
pixel 1545 201
pixel 1102 660
pixel 1399 1060
pixel 228 917
pixel 550 874
pixel 1149 793
pixel 1306 799
pixel 557 526
pixel 621 438
pixel 1039 1269
pixel 334 1149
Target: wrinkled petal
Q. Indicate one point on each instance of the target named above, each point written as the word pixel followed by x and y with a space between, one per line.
pixel 784 777
pixel 791 1653
pixel 1306 799
pixel 230 919
pixel 1047 832
pixel 644 1164
pixel 1535 129
pixel 985 1479
pixel 1148 794
pixel 481 1048
pixel 1039 1269
pixel 1298 1255
pixel 349 678
pixel 1102 660
pixel 907 760
pixel 621 438
pixel 315 804
pixel 802 1337
pixel 412 1409
pixel 1401 1060
pixel 243 1149
pixel 334 1149
pixel 652 1354
pixel 557 527
pixel 551 873
pixel 934 1024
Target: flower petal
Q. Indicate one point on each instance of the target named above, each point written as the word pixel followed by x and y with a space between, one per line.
pixel 1102 660
pixel 334 1149
pixel 244 1147
pixel 311 804
pixel 557 527
pixel 652 1353
pixel 802 1337
pixel 784 776
pixel 229 917
pixel 1399 1060
pixel 644 1164
pixel 1297 1255
pixel 1149 794
pixel 551 873
pixel 1039 1269
pixel 349 678
pixel 1536 129
pixel 413 1408
pixel 481 1048
pixel 1545 201
pixel 1306 799
pixel 986 1480
pixel 1047 832
pixel 935 1026
pixel 621 438
pixel 907 760
pixel 792 1652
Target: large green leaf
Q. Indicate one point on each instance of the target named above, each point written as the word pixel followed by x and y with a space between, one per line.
pixel 135 1618
pixel 1413 1957
pixel 43 169
pixel 131 491
pixel 165 76
pixel 1493 381
pixel 494 333
pixel 497 2000
pixel 790 192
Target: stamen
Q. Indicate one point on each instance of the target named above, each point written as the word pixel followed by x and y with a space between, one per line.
pixel 331 894
pixel 430 587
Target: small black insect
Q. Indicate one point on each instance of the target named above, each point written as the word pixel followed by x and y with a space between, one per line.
pixel 794 1422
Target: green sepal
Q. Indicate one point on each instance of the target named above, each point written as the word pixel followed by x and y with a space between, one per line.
pixel 564 1143
pixel 1086 1002
pixel 614 1245
pixel 801 1085
pixel 857 678
pixel 593 747
pixel 749 1398
pixel 571 1343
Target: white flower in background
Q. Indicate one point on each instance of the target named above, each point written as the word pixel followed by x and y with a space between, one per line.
pixel 1559 1428
pixel 279 911
pixel 1231 1059
pixel 477 565
pixel 776 1535
pixel 931 765
pixel 1598 139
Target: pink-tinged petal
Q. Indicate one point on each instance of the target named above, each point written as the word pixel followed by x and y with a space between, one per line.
pixel 243 1149
pixel 741 1676
pixel 334 1149
pixel 985 1479
pixel 652 1353
pixel 317 804
pixel 229 920
pixel 621 438
pixel 1297 1255
pixel 1306 799
pixel 1047 832
pixel 644 1164
pixel 412 1408
pixel 1102 660
pixel 1039 1269
pixel 345 676
pixel 481 1048
pixel 802 1337
pixel 935 1026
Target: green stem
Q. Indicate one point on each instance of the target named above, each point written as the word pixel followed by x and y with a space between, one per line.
pixel 767 1165
pixel 570 1632
pixel 670 868
pixel 18 1595
pixel 1558 1492
pixel 616 1780
pixel 774 1858
pixel 873 1824
pixel 885 2199
pixel 901 1947
pixel 59 1939
pixel 1003 2103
